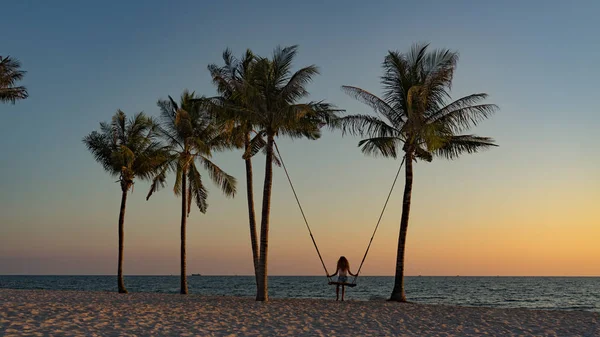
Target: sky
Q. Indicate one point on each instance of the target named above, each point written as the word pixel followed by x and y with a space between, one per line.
pixel 528 207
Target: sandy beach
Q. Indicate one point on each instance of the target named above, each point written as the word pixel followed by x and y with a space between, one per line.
pixel 76 313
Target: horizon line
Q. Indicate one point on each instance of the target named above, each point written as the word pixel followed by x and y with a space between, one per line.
pixel 252 275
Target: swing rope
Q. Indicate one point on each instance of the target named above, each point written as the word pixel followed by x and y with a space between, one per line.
pixel 301 210
pixel 308 226
pixel 378 221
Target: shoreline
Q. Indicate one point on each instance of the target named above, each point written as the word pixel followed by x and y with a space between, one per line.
pixel 272 298
pixel 71 312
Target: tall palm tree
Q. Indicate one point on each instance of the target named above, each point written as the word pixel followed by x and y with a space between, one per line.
pixel 192 136
pixel 10 73
pixel 417 116
pixel 273 108
pixel 233 84
pixel 127 149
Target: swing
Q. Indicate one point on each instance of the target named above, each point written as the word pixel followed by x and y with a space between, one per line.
pixel 351 285
pixel 330 281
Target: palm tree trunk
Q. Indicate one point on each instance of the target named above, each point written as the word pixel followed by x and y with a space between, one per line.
pixel 263 286
pixel 251 214
pixel 120 282
pixel 398 291
pixel 184 286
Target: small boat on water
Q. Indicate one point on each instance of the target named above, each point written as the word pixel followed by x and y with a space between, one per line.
pixel 196 275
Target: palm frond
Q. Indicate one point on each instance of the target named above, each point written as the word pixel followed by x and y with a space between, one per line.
pixel 440 64
pixel 197 190
pixel 418 52
pixel 366 125
pixel 167 110
pixel 437 75
pixel 225 182
pixel 189 200
pixel 119 128
pixel 295 88
pixel 463 113
pixel 152 161
pixel 10 74
pixel 13 94
pixel 454 146
pixel 179 169
pixel 325 113
pixel 282 63
pixel 377 104
pixel 397 80
pixel 10 71
pixel 101 147
pixel 138 125
pixel 276 160
pixel 423 154
pixel 376 146
pixel 257 143
pixel 174 105
pixel 305 119
pixel 220 139
pixel 159 181
pixel 244 66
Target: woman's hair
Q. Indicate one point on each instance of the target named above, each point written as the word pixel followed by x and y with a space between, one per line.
pixel 343 263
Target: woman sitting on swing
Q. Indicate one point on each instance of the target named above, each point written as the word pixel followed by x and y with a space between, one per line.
pixel 343 269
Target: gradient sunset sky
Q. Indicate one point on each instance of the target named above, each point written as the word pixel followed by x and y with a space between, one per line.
pixel 528 207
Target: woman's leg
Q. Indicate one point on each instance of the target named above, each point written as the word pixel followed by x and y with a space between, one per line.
pixel 337 292
pixel 343 291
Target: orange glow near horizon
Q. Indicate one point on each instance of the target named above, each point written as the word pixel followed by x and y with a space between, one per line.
pixel 518 238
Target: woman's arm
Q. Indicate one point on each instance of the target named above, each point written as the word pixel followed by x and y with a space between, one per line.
pixel 349 272
pixel 332 275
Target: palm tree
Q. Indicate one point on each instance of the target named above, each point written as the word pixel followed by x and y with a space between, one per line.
pixel 232 81
pixel 127 149
pixel 192 136
pixel 271 106
pixel 415 115
pixel 10 73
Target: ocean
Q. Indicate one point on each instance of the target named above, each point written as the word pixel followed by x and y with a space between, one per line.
pixel 554 293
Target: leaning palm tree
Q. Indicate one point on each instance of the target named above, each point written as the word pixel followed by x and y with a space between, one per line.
pixel 272 107
pixel 416 116
pixel 127 149
pixel 233 81
pixel 192 136
pixel 10 73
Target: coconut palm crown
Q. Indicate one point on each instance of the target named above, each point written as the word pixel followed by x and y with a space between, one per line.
pixel 10 74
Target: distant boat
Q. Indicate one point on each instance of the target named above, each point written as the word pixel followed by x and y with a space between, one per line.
pixel 196 275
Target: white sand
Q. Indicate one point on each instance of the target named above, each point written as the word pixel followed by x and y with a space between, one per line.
pixel 71 313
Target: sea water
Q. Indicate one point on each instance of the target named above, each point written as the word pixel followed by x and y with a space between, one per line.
pixel 555 293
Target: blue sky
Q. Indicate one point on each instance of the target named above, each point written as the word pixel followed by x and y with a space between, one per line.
pixel 537 60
